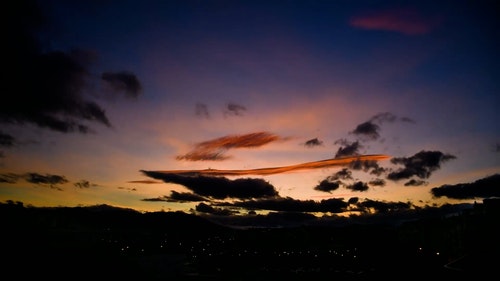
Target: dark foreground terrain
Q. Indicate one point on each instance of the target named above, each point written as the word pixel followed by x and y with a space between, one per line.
pixel 102 242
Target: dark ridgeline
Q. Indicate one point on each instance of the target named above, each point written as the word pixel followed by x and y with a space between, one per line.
pixel 107 242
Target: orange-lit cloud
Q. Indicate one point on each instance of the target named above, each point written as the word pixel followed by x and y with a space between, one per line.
pixel 406 21
pixel 276 170
pixel 145 181
pixel 215 149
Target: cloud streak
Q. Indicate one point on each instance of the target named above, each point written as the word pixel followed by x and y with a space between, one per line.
pixel 213 150
pixel 275 170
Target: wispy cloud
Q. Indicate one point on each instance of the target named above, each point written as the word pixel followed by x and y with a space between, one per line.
pixel 233 109
pixel 345 161
pixel 201 110
pixel 403 20
pixel 213 150
pixel 145 181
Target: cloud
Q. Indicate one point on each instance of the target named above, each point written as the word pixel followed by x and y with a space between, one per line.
pixel 384 207
pixel 358 186
pixel 348 149
pixel 370 166
pixel 313 142
pixel 420 165
pixel 343 174
pixel 47 87
pixel 47 179
pixel 288 204
pixel 344 161
pixel 84 184
pixel 9 178
pixel 127 188
pixel 327 185
pixel 233 109
pixel 404 20
pixel 204 208
pixel 213 150
pixel 333 182
pixel 185 197
pixel 377 182
pixel 50 180
pixel 123 81
pixel 370 130
pixel 414 182
pixel 483 188
pixel 218 187
pixel 145 181
pixel 367 129
pixel 6 140
pixel 201 110
pixel 179 197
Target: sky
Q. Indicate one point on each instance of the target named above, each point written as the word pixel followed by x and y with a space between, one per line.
pixel 244 107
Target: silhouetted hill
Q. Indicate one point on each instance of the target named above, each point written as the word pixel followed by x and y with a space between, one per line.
pixel 112 242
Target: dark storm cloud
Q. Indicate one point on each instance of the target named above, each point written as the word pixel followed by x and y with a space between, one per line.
pixel 219 187
pixel 288 204
pixel 420 165
pixel 45 87
pixel 347 148
pixel 233 109
pixel 201 110
pixel 483 188
pixel 45 180
pixel 358 186
pixel 123 81
pixel 313 142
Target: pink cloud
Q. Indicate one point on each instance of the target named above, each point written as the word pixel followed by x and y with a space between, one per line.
pixel 406 21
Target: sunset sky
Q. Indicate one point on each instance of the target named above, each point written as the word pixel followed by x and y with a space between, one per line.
pixel 230 106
